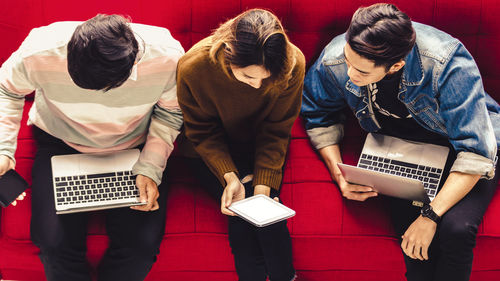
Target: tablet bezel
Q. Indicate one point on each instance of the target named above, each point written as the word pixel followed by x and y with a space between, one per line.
pixel 289 212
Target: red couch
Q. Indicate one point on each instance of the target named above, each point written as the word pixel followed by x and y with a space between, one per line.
pixel 333 239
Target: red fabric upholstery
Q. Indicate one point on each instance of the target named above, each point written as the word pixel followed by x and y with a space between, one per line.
pixel 333 239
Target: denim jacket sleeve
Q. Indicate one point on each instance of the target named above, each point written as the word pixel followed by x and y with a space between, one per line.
pixel 322 105
pixel 463 108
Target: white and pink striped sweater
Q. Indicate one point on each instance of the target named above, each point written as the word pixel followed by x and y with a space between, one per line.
pixel 143 110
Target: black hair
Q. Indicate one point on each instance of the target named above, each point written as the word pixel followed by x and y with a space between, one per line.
pixel 102 52
pixel 381 33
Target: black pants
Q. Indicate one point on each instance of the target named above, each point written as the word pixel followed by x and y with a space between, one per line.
pixel 450 253
pixel 135 236
pixel 258 252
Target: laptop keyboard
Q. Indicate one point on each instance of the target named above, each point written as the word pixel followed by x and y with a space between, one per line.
pixel 429 176
pixel 95 188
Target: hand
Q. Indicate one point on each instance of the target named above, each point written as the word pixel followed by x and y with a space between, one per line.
pixel 19 198
pixel 264 189
pixel 6 164
pixel 418 237
pixel 234 191
pixel 354 191
pixel 148 192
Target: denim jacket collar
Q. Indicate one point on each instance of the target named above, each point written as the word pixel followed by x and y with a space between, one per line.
pixel 351 87
pixel 413 76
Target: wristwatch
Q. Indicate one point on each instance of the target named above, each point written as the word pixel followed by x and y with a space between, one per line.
pixel 428 212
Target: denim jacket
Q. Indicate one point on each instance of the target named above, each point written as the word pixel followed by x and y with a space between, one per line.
pixel 441 86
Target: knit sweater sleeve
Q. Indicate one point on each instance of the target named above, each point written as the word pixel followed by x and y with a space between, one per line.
pixel 203 129
pixel 274 133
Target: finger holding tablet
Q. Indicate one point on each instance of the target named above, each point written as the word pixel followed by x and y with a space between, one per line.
pixel 234 191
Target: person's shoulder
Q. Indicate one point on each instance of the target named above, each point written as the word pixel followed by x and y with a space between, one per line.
pixel 300 59
pixel 333 53
pixel 63 28
pixel 196 61
pixel 47 38
pixel 434 43
pixel 432 33
pixel 157 38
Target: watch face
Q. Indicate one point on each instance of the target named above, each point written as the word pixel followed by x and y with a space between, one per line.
pixel 427 212
pixel 425 209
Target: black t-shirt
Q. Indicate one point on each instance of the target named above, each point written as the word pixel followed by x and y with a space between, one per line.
pixel 393 115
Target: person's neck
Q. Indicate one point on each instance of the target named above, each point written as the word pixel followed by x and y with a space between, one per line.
pixel 393 75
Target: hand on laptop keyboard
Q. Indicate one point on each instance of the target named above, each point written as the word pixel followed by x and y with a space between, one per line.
pixel 148 192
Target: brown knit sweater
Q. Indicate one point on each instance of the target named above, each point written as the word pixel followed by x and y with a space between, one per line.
pixel 222 113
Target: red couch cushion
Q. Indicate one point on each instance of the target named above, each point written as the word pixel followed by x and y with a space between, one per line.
pixel 333 239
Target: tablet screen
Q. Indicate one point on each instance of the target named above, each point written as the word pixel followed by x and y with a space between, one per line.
pixel 261 210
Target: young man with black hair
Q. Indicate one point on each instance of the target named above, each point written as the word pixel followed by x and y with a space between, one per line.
pixel 412 81
pixel 101 85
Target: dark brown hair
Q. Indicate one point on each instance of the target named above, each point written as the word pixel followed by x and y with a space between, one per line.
pixel 381 33
pixel 255 37
pixel 102 52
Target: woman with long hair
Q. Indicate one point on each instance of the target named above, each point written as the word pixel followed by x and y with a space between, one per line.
pixel 240 92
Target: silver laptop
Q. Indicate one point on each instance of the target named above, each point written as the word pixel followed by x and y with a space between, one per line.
pixel 88 182
pixel 400 168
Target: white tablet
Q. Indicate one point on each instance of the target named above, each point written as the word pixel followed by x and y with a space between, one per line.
pixel 261 210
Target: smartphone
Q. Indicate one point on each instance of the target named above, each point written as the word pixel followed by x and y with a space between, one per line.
pixel 11 186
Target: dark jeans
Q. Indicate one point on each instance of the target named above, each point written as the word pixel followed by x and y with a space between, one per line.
pixel 450 253
pixel 135 236
pixel 258 252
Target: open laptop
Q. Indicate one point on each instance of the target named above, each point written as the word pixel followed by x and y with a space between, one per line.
pixel 88 182
pixel 400 168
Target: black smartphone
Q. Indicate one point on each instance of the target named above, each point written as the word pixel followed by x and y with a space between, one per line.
pixel 11 186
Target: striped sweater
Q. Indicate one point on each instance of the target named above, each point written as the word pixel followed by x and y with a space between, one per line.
pixel 143 110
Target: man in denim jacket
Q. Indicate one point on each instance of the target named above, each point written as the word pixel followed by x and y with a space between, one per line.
pixel 412 81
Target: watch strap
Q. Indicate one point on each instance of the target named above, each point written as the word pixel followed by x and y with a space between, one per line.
pixel 428 212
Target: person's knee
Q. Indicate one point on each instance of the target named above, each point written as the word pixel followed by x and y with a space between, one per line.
pixel 240 232
pixel 278 229
pixel 53 243
pixel 46 238
pixel 148 243
pixel 457 229
pixel 457 235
